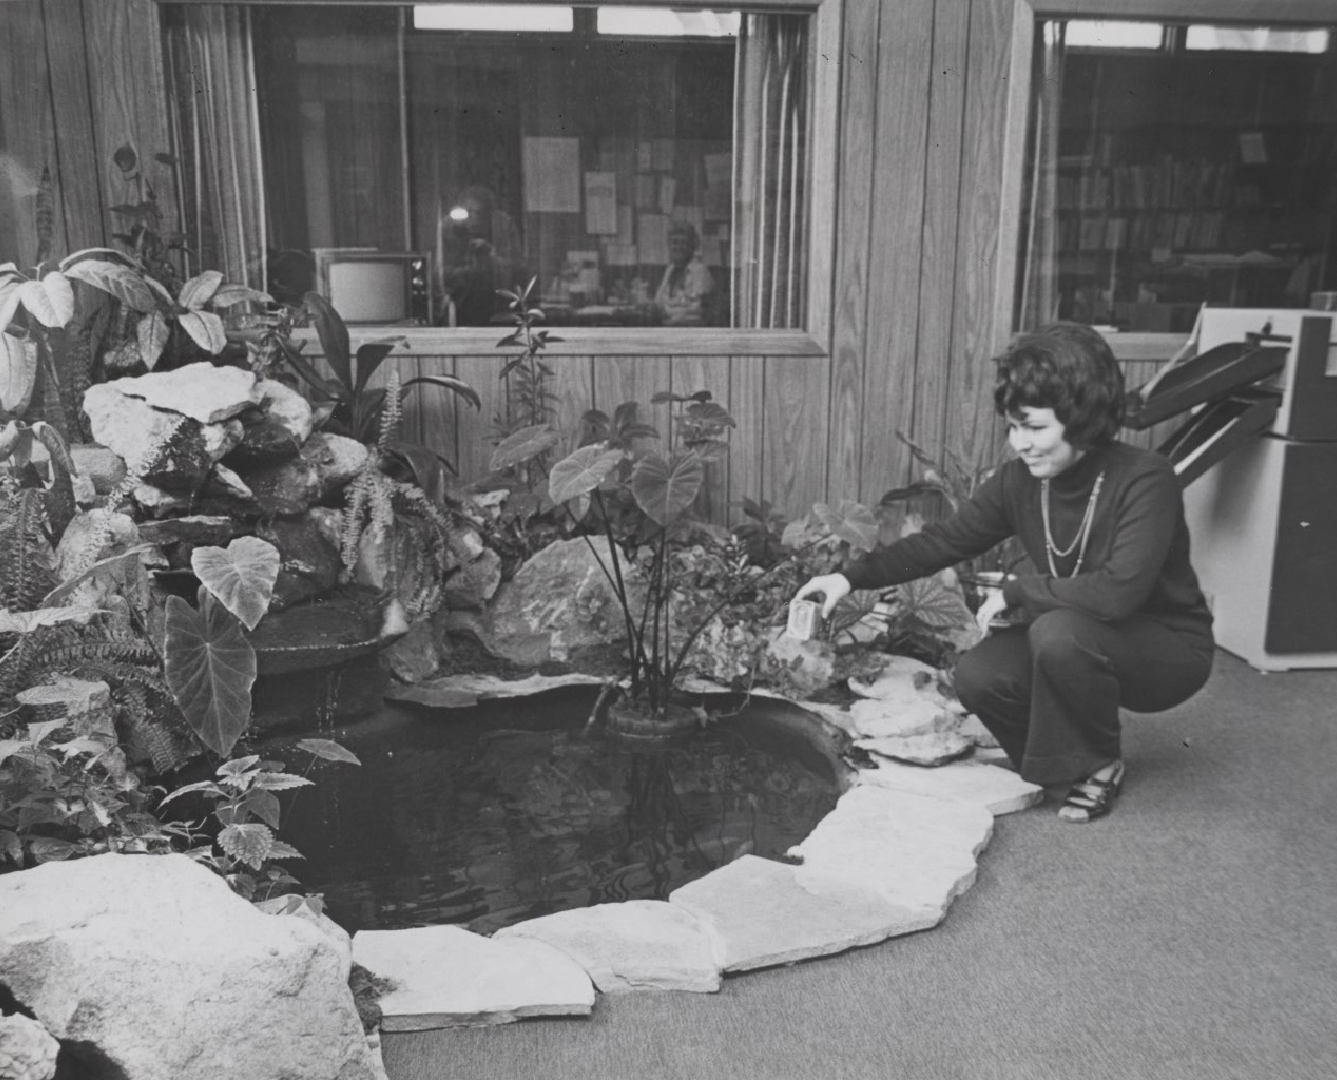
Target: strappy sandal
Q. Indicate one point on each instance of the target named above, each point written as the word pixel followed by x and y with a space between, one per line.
pixel 1093 797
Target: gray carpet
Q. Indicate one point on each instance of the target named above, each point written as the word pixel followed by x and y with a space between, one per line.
pixel 1192 934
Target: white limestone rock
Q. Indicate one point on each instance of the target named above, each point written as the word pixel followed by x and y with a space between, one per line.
pixel 999 791
pixel 766 913
pixel 636 945
pixel 878 718
pixel 973 729
pixel 166 974
pixel 912 849
pixel 27 1050
pixel 132 428
pixel 445 976
pixel 286 406
pixel 204 392
pixel 928 750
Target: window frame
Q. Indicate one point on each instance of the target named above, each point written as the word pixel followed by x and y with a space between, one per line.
pixel 824 55
pixel 1127 346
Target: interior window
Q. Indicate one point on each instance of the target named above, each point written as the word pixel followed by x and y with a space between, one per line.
pixel 1176 165
pixel 644 167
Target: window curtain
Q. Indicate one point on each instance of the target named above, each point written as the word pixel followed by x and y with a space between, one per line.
pixel 1039 303
pixel 214 129
pixel 770 202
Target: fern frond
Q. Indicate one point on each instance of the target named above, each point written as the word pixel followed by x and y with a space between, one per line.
pixel 392 411
pixel 27 565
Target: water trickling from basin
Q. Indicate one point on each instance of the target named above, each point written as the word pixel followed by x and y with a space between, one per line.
pixel 489 816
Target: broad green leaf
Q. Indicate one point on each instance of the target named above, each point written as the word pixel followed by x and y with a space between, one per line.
pixel 227 295
pixel 18 373
pixel 242 575
pixel 851 521
pixel 206 786
pixel 329 750
pixel 197 292
pixel 278 781
pixel 447 382
pixel 525 445
pixel 582 471
pixel 369 358
pixel 205 329
pixel 152 333
pixel 122 282
pixel 929 602
pixel 38 301
pixel 61 294
pixel 235 767
pixel 280 850
pixel 333 334
pixel 9 302
pixel 261 804
pixel 54 442
pixel 664 490
pixel 111 565
pixel 210 667
pixel 25 622
pixel 247 843
pixel 711 412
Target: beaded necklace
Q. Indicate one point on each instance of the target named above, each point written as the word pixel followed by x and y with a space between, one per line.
pixel 1052 550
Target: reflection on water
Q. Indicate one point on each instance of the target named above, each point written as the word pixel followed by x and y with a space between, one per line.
pixel 496 815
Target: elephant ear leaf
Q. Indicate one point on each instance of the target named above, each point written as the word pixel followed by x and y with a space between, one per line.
pixel 242 575
pixel 210 668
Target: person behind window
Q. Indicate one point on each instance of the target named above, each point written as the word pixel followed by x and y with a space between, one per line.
pixel 1113 618
pixel 478 251
pixel 686 289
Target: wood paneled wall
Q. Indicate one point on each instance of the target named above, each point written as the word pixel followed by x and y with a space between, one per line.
pixel 920 194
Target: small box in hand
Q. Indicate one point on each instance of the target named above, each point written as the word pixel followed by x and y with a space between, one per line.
pixel 805 616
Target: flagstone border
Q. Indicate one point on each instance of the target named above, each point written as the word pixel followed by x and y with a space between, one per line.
pixel 901 844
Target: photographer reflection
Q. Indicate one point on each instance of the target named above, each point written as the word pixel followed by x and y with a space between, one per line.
pixel 478 251
pixel 686 290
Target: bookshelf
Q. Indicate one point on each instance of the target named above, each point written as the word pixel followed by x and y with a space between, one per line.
pixel 1174 186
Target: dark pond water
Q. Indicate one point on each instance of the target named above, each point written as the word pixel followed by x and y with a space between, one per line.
pixel 490 816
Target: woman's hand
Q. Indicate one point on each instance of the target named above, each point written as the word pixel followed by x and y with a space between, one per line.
pixel 993 606
pixel 833 587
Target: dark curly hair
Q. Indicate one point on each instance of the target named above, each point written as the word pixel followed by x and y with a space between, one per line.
pixel 1069 368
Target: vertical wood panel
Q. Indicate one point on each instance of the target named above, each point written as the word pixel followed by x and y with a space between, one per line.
pixel 853 240
pixel 474 428
pixel 794 442
pixel 27 126
pixel 77 187
pixel 128 102
pixel 970 423
pixel 573 383
pixel 747 404
pixel 947 87
pixel 904 63
pixel 618 379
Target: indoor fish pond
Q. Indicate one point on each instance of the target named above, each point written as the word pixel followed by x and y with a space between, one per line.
pixel 489 816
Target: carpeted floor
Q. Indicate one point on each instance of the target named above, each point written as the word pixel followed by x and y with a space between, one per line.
pixel 1192 935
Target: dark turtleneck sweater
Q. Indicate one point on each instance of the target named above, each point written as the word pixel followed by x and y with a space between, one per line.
pixel 1137 557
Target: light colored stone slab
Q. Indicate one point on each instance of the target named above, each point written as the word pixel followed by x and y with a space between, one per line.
pixel 992 755
pixel 202 391
pixel 444 976
pixel 483 687
pixel 997 790
pixel 877 718
pixel 972 727
pixel 636 945
pixel 766 913
pixel 934 748
pixel 913 849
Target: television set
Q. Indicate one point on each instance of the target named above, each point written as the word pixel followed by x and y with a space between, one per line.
pixel 366 286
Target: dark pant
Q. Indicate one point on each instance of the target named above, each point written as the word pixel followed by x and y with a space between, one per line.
pixel 1050 692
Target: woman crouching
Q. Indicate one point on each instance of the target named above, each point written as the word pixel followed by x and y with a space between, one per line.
pixel 1109 615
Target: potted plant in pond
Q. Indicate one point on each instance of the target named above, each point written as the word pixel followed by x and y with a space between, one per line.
pixel 641 501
